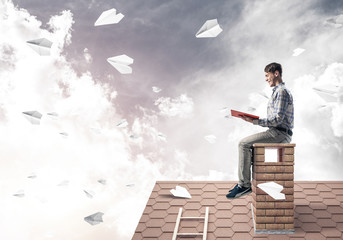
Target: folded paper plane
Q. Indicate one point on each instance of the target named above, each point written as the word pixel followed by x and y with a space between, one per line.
pixel 122 123
pixel 298 51
pixel 156 89
pixel 272 189
pixel 109 17
pixel 210 138
pixel 20 194
pixel 33 116
pixel 162 137
pixel 210 29
pixel 224 109
pixel 102 181
pixel 329 92
pixel 32 176
pixel 42 46
pixel 94 219
pixel 89 194
pixel 63 183
pixel 121 63
pixel 180 192
pixel 130 185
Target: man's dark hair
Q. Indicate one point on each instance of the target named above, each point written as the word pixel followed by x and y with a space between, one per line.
pixel 272 67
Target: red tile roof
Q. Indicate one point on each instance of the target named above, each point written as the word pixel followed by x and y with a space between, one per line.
pixel 318 212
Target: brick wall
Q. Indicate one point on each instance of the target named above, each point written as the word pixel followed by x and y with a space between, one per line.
pixel 271 214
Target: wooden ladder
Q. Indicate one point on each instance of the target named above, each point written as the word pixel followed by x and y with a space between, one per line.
pixel 179 218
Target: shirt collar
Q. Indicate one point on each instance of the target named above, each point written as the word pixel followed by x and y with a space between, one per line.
pixel 276 87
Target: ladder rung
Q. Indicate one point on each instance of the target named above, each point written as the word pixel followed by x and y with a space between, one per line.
pixel 192 217
pixel 190 234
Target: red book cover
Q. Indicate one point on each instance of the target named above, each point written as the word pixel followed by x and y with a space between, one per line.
pixel 235 113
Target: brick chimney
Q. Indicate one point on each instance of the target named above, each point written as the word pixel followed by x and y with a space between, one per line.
pixel 273 216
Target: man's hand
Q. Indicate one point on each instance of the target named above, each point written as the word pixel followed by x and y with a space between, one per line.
pixel 247 118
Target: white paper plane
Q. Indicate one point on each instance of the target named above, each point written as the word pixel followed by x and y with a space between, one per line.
pixel 224 109
pixel 130 185
pixel 123 123
pixel 180 192
pixel 42 46
pixel 156 89
pixel 63 183
pixel 329 92
pixel 272 189
pixel 89 194
pixel 20 194
pixel 210 138
pixel 162 137
pixel 64 134
pixel 32 176
pixel 102 181
pixel 210 29
pixel 94 219
pixel 298 51
pixel 109 17
pixel 121 63
pixel 53 114
pixel 33 116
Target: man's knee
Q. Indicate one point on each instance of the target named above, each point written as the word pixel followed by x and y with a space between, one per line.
pixel 244 145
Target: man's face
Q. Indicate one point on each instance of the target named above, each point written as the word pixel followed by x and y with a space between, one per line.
pixel 270 78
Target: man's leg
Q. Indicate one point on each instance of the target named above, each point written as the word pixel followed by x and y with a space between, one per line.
pixel 245 158
pixel 245 152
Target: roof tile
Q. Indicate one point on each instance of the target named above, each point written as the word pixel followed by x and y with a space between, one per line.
pixel 331 232
pixel 311 227
pixel 314 236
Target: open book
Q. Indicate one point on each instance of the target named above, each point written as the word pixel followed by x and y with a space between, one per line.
pixel 235 113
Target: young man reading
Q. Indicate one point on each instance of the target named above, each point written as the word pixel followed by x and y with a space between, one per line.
pixel 280 118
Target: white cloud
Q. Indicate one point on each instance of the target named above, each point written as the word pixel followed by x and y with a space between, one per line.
pixel 87 55
pixel 181 106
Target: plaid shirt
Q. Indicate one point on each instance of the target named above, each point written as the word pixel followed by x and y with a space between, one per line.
pixel 280 111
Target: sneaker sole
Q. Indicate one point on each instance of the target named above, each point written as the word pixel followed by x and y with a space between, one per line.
pixel 243 193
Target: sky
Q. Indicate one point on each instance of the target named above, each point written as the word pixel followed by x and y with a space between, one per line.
pixel 164 137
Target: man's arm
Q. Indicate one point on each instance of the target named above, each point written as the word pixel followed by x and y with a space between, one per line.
pixel 279 111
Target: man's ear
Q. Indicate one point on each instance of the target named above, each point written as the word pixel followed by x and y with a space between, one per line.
pixel 276 73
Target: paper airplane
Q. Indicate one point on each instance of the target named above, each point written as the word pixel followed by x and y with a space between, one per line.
pixel 210 138
pixel 272 189
pixel 32 176
pixel 156 89
pixel 336 21
pixel 133 136
pixel 180 192
pixel 122 123
pixel 41 46
pixel 121 63
pixel 63 183
pixel 224 109
pixel 53 114
pixel 64 134
pixel 20 194
pixel 109 17
pixel 130 185
pixel 298 51
pixel 94 219
pixel 162 137
pixel 329 92
pixel 210 29
pixel 89 194
pixel 33 116
pixel 102 181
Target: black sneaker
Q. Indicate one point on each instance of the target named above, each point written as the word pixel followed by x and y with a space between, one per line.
pixel 238 192
pixel 234 188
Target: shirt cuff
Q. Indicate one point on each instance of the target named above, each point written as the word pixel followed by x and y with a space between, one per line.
pixel 255 121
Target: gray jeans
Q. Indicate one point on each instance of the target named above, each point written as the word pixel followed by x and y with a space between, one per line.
pixel 272 135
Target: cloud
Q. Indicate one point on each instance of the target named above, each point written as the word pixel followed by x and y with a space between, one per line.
pixel 181 106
